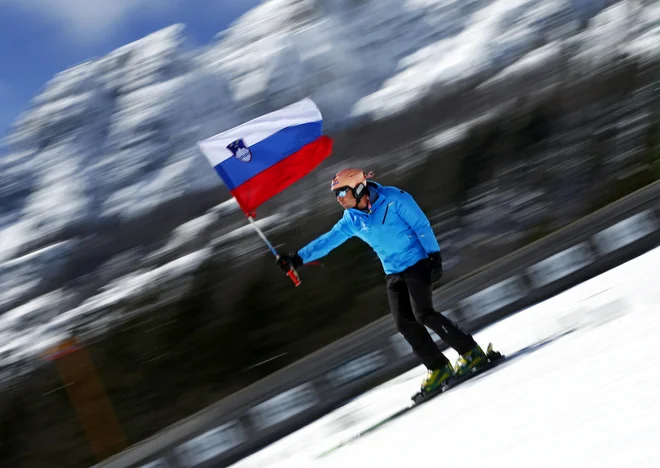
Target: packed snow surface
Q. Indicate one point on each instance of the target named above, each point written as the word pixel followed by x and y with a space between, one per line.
pixel 581 391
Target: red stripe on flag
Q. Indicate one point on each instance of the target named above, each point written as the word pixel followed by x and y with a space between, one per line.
pixel 281 175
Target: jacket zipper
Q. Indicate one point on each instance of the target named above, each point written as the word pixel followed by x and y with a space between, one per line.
pixel 385 216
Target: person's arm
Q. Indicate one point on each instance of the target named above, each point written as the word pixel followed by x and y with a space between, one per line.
pixel 412 214
pixel 324 244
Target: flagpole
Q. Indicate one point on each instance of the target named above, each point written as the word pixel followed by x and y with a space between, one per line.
pixel 292 273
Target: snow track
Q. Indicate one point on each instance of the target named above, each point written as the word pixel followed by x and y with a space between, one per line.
pixel 582 390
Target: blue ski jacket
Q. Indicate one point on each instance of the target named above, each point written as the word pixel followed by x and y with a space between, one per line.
pixel 395 227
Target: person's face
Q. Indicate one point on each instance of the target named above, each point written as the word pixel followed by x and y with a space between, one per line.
pixel 345 198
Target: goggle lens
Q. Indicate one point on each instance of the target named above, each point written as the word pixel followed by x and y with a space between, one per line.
pixel 341 192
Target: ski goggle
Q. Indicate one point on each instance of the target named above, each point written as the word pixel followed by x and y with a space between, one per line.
pixel 342 192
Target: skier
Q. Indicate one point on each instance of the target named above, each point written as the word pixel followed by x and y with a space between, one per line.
pixel 391 222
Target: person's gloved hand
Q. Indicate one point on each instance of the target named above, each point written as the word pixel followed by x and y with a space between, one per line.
pixel 436 266
pixel 286 261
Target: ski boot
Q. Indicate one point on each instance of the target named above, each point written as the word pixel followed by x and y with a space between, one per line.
pixel 435 382
pixel 471 361
pixel 475 360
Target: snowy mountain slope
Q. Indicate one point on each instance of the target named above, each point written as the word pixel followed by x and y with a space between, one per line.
pixel 113 139
pixel 120 130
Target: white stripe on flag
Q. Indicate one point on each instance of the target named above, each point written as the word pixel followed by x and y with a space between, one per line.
pixel 256 130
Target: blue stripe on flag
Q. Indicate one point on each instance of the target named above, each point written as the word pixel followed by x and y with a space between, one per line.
pixel 268 152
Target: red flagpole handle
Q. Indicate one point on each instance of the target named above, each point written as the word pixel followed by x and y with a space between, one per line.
pixel 293 274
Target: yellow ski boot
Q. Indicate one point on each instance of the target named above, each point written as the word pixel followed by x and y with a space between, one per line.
pixel 469 361
pixel 435 379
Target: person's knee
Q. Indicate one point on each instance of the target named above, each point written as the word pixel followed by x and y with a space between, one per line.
pixel 422 319
pixel 403 325
pixel 415 335
pixel 408 328
pixel 423 316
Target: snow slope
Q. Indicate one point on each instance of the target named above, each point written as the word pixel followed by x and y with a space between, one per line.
pixel 582 393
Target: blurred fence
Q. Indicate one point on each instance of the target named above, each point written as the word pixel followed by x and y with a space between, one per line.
pixel 293 397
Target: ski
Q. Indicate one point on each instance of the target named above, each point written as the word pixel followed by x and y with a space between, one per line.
pixel 495 358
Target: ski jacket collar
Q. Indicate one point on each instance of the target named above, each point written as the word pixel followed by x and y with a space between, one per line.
pixel 374 196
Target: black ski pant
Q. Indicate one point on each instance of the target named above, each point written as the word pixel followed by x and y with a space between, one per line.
pixel 410 297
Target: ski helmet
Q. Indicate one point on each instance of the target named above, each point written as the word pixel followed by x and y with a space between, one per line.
pixel 353 179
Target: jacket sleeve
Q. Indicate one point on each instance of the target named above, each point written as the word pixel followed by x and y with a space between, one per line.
pixel 324 244
pixel 411 213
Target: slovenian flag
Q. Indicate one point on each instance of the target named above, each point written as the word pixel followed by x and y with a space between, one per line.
pixel 264 156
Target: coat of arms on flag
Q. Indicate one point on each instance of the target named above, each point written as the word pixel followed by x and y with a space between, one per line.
pixel 240 151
